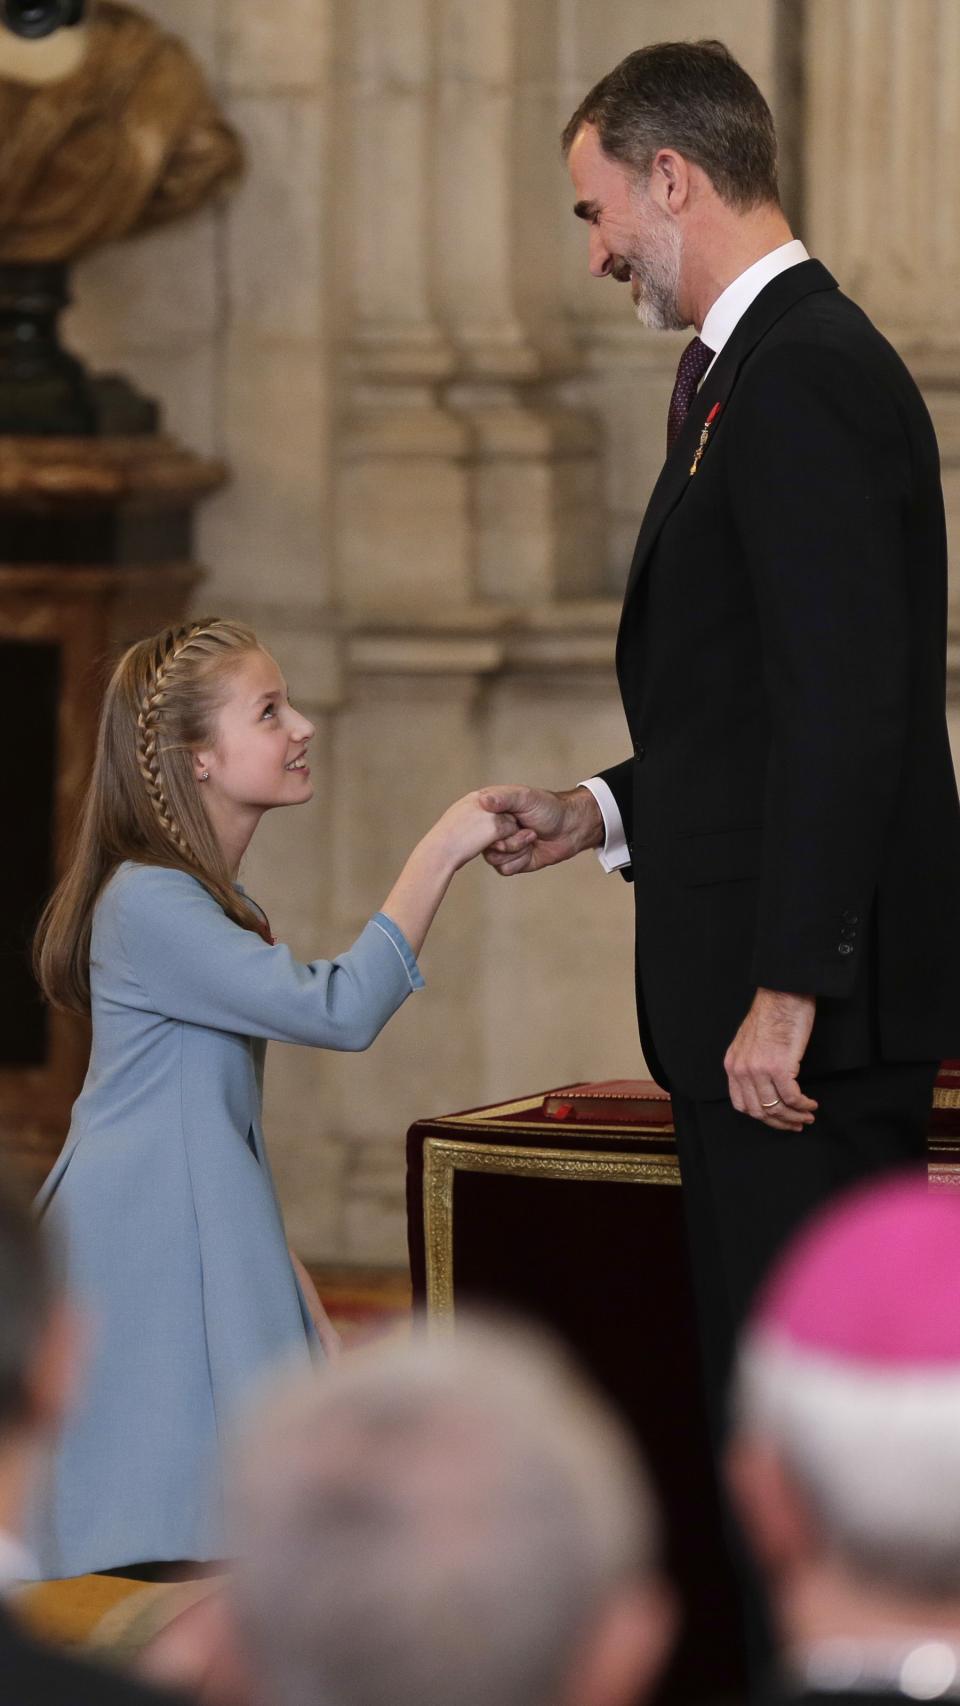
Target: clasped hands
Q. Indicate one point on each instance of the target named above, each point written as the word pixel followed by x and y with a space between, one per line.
pixel 763 1061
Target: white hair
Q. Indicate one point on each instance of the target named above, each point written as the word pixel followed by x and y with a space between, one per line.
pixel 876 1451
pixel 434 1523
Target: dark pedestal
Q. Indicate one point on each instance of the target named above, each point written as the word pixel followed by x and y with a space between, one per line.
pixel 95 551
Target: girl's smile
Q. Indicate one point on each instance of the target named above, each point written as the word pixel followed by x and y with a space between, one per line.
pixel 261 739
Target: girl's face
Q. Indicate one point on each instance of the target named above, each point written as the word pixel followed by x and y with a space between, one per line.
pixel 258 756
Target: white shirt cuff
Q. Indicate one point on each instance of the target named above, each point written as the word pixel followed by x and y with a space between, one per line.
pixel 614 853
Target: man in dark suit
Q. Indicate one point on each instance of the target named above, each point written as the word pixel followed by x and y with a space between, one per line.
pixel 789 815
pixel 37 1355
pixel 845 1459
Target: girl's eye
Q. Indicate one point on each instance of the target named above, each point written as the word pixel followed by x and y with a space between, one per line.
pixel 268 710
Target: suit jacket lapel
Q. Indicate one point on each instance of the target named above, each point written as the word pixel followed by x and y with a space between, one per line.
pixel 780 295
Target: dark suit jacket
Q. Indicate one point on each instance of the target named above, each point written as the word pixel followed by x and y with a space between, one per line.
pixel 791 807
pixel 35 1675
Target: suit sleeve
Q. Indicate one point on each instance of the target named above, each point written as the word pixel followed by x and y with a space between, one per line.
pixel 819 492
pixel 185 959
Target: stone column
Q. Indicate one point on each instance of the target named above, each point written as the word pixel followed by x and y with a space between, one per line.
pixel 883 172
pixel 498 247
pixel 403 509
pixel 882 192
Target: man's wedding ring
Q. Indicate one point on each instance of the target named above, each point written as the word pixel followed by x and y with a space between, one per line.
pixel 774 1104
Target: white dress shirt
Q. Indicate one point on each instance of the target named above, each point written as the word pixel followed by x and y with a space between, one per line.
pixel 720 322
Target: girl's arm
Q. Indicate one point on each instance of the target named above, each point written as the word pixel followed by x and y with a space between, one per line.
pixel 464 830
pixel 165 945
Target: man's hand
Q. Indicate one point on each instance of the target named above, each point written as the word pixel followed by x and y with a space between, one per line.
pixel 764 1058
pixel 565 824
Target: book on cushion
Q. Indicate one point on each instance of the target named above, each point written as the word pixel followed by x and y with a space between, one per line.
pixel 626 1101
pixel 638 1101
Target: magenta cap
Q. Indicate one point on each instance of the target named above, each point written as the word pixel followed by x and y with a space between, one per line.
pixel 875 1278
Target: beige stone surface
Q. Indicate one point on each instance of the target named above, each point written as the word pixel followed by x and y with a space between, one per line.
pixel 279 47
pixel 442 434
pixel 157 291
pixel 270 535
pixel 276 225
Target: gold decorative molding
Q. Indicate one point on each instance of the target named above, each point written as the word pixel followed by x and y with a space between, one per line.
pixel 944 1173
pixel 152 470
pixel 443 1159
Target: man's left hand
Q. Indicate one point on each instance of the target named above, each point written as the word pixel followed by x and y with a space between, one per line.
pixel 764 1058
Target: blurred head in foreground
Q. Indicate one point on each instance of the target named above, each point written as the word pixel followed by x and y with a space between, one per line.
pixel 457 1521
pixel 845 1461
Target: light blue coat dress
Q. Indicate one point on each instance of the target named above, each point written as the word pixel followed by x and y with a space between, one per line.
pixel 165 1211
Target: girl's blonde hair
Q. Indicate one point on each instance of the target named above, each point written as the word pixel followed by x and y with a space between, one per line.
pixel 144 802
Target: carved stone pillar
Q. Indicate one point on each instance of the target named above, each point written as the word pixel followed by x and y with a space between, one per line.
pixel 883 92
pixel 499 186
pixel 403 499
pixel 883 86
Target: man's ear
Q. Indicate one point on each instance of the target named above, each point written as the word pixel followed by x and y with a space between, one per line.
pixel 626 1649
pixel 776 1518
pixel 54 1372
pixel 669 182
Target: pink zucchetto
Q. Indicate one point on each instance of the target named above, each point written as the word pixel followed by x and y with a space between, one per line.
pixel 874 1280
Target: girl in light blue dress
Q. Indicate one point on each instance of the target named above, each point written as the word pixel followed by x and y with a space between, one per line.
pixel 162 1201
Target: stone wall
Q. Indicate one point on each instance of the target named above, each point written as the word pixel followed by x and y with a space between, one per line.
pixel 442 434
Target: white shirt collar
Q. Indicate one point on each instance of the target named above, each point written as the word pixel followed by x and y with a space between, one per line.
pixel 732 303
pixel 16 1563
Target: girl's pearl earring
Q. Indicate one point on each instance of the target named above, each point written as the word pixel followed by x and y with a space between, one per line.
pixel 204 775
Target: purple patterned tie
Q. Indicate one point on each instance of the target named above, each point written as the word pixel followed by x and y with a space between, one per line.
pixel 694 362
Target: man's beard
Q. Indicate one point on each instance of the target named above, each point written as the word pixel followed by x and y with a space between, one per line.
pixel 655 277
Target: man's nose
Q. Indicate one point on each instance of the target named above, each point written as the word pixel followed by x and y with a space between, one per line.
pixel 601 260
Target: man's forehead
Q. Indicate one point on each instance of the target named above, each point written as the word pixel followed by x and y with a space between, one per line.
pixel 596 178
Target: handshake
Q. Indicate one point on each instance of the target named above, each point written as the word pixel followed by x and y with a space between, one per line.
pixel 521 829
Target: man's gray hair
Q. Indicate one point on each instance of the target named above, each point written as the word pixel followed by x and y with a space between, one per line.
pixel 26 1292
pixel 694 97
pixel 434 1523
pixel 875 1452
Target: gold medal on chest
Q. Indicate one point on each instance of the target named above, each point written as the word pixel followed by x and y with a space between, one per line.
pixel 704 436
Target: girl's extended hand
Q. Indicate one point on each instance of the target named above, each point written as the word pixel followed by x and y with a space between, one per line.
pixel 467 828
pixel 464 830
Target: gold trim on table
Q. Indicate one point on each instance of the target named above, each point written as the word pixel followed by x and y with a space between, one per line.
pixel 443 1158
pixel 944 1173
pixel 503 1115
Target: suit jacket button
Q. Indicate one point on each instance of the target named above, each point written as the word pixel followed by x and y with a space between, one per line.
pixel 845 948
pixel 639 750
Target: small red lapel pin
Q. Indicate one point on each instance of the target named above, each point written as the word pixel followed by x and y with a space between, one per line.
pixel 704 436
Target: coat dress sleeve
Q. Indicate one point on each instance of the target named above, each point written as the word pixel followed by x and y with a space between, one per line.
pixel 186 960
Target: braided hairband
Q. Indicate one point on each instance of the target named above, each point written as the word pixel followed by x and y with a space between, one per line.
pixel 150 713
